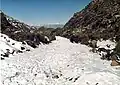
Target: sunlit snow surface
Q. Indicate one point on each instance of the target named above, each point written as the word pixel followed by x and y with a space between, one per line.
pixel 59 63
pixel 103 44
pixel 6 43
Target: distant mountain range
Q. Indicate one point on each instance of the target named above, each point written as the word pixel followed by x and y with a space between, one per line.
pixel 53 25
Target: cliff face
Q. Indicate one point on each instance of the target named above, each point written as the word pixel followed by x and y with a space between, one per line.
pixel 99 19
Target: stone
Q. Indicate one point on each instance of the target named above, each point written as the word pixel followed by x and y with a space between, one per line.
pixel 115 63
pixel 22 48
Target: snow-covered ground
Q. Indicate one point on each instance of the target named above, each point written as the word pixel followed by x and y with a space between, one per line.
pixel 105 43
pixel 8 44
pixel 59 63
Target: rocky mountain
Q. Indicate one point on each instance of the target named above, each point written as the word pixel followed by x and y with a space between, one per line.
pixel 20 31
pixel 99 19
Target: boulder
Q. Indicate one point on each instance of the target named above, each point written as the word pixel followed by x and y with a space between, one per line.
pixel 115 63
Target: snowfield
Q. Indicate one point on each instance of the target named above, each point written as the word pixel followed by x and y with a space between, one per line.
pixel 59 63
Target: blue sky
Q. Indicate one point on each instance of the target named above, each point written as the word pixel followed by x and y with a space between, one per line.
pixel 39 12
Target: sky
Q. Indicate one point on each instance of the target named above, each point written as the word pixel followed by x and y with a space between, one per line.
pixel 40 12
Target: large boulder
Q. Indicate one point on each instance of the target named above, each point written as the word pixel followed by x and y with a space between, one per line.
pixel 115 63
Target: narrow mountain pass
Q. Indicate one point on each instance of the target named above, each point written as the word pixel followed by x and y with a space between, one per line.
pixel 58 63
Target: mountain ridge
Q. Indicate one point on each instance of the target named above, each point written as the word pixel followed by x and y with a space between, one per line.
pixel 99 19
pixel 20 31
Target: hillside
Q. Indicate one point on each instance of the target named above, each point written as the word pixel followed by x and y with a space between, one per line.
pixel 20 31
pixel 99 19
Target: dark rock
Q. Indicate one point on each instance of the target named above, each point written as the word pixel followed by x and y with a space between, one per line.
pixel 13 43
pixel 28 50
pixel 68 65
pixel 117 48
pixel 83 39
pixel 13 52
pixel 108 46
pixel 114 57
pixel 8 40
pixel 1 35
pixel 4 37
pixel 70 79
pixel 55 76
pixel 40 38
pixel 2 58
pixel 19 51
pixel 75 39
pixel 117 38
pixel 5 55
pixel 102 50
pixel 76 78
pixel 35 74
pixel 96 83
pixel 22 48
pixel 31 43
pixel 93 43
pixel 23 43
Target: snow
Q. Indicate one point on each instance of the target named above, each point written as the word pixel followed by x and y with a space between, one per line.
pixel 47 38
pixel 104 43
pixel 6 43
pixel 117 16
pixel 59 63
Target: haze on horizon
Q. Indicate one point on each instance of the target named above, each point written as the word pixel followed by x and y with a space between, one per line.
pixel 40 12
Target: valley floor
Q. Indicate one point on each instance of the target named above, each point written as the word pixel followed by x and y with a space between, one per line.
pixel 59 63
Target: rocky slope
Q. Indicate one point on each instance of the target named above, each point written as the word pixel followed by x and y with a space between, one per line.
pixel 20 31
pixel 98 21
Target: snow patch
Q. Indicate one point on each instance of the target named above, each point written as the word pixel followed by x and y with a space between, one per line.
pixel 105 44
pixel 8 44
